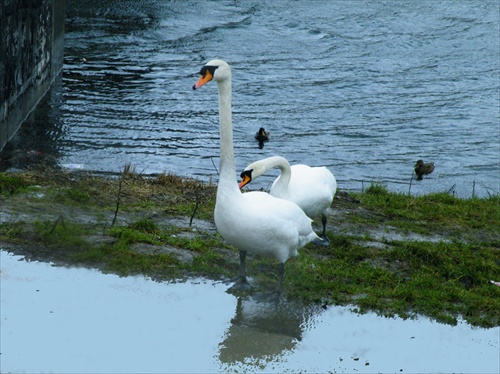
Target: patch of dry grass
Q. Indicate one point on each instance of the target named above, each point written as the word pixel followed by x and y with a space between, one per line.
pixel 135 188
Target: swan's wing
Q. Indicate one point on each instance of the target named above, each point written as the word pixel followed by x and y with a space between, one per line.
pixel 305 175
pixel 312 188
pixel 265 225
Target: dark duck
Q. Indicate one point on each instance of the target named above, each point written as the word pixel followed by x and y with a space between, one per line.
pixel 262 136
pixel 422 168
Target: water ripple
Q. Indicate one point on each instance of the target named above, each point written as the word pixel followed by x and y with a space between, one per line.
pixel 365 90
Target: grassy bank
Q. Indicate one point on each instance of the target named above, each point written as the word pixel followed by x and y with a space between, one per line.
pixel 391 253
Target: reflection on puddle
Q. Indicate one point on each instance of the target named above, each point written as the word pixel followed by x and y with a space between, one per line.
pixel 68 320
pixel 263 331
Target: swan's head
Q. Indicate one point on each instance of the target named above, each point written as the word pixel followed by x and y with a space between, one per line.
pixel 252 171
pixel 258 168
pixel 216 70
pixel 246 177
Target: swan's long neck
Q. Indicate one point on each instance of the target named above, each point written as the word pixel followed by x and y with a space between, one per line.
pixel 227 176
pixel 281 186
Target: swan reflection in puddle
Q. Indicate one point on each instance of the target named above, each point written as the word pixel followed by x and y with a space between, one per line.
pixel 262 331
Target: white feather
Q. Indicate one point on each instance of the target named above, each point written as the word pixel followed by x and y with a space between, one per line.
pixel 253 222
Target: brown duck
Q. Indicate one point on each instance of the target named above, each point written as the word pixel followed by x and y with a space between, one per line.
pixel 422 168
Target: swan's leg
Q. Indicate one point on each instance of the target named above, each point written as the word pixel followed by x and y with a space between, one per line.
pixel 281 273
pixel 243 272
pixel 273 296
pixel 241 283
pixel 323 221
pixel 324 238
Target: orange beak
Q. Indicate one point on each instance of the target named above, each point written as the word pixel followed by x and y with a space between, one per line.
pixel 204 79
pixel 245 179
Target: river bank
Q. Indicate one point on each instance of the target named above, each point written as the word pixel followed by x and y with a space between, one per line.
pixel 390 253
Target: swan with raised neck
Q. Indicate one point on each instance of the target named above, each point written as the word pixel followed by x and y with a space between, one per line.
pixel 254 222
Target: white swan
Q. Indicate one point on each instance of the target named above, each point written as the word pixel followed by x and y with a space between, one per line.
pixel 311 188
pixel 254 222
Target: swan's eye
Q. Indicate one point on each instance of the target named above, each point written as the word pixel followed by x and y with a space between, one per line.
pixel 246 177
pixel 246 174
pixel 208 69
pixel 203 71
pixel 207 74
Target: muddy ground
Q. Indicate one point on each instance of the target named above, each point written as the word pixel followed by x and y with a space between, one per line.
pixel 28 209
pixel 391 253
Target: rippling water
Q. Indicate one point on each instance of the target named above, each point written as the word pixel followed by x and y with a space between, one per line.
pixel 365 88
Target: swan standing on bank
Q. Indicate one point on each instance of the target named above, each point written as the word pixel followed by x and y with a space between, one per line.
pixel 311 188
pixel 254 222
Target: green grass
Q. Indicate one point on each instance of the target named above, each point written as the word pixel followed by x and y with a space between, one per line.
pixel 12 231
pixel 61 233
pixel 441 280
pixel 434 212
pixel 121 259
pixel 73 196
pixel 445 275
pixel 11 184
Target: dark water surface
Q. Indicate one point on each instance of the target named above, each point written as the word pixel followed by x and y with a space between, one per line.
pixel 365 88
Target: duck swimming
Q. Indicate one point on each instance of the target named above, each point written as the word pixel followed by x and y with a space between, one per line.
pixel 422 169
pixel 262 136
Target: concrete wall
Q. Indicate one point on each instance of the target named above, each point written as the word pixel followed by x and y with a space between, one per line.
pixel 31 56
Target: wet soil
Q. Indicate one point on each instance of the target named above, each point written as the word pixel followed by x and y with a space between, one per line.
pixel 33 207
pixel 376 259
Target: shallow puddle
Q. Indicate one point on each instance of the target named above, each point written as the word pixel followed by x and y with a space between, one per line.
pixel 67 320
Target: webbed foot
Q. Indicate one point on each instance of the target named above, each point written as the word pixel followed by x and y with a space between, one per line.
pixel 241 284
pixel 323 241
